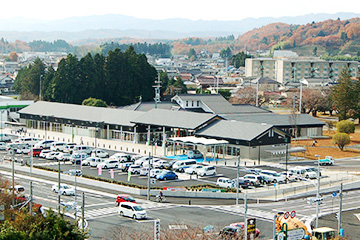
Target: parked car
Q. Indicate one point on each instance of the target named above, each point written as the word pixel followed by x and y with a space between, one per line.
pixel 82 148
pixel 109 164
pixel 144 171
pixel 133 210
pixel 241 225
pixel 99 153
pixel 43 153
pixel 152 161
pixel 69 147
pixel 95 161
pixel 243 183
pixel 122 157
pixel 181 165
pixel 273 176
pixel 291 177
pixel 207 171
pixel 36 152
pixel 327 161
pixel 51 155
pixel 154 172
pixel 44 144
pixel 141 160
pixel 24 149
pixel 74 172
pixel 167 175
pixel 62 156
pixel 231 232
pixel 64 189
pixel 124 198
pixel 58 146
pixel 253 170
pixel 254 180
pixel 19 190
pixel 76 158
pixel 5 137
pixel 2 146
pixel 125 166
pixel 303 172
pixel 162 164
pixel 194 154
pixel 27 140
pixel 135 169
pixel 193 169
pixel 225 182
pixel 88 161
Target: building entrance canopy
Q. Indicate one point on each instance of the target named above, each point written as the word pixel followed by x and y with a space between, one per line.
pixel 197 141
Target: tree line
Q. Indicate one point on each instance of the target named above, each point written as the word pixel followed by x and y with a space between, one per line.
pixel 159 49
pixel 120 78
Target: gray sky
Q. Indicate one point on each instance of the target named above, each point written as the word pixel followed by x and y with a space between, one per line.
pixel 165 9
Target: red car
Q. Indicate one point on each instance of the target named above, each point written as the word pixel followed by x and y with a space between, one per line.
pixel 124 198
pixel 36 152
pixel 241 226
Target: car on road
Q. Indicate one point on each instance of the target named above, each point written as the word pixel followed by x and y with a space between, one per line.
pixel 274 176
pixel 207 171
pixel 57 146
pixel 99 153
pixel 241 225
pixel 194 154
pixel 124 198
pixel 225 182
pixel 74 172
pixel 327 161
pixel 109 164
pixel 64 189
pixel 162 164
pixel 135 169
pixel 167 175
pixel 193 169
pixel 133 210
pixel 44 144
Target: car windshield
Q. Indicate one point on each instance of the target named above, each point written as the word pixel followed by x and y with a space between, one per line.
pixel 66 187
pixel 138 208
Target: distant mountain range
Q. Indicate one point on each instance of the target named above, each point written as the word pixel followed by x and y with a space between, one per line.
pixel 117 26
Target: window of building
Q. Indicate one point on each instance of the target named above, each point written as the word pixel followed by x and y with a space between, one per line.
pixel 187 103
pixel 198 103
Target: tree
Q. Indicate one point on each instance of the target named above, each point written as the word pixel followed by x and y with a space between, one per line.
pixel 94 102
pixel 315 51
pixel 192 54
pixel 13 57
pixel 345 126
pixel 341 139
pixel 345 95
pixel 225 93
pixel 238 60
pixel 226 53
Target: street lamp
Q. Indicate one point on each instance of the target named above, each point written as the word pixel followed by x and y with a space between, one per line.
pixel 318 191
pixel 305 82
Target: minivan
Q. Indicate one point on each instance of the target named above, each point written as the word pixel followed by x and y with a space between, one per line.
pixel 81 148
pixel 57 146
pixel 109 164
pixel 28 141
pixel 180 166
pixel 225 182
pixel 132 210
pixel 44 144
pixel 194 154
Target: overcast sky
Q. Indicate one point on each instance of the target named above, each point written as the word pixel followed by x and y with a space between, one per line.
pixel 165 9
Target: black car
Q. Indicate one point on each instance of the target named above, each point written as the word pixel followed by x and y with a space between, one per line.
pixel 243 183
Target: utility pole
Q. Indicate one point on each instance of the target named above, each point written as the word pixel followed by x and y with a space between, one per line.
pixel 83 212
pixel 257 92
pixel 148 182
pixel 318 193
pixel 76 191
pixel 237 180
pixel 13 177
pixel 245 217
pixel 31 199
pixel 340 207
pixel 59 195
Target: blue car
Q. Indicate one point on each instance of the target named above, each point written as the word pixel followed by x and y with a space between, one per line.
pixel 167 175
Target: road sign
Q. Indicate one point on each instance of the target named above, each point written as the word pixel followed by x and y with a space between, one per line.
pixel 286 215
pixel 334 194
pixel 293 214
pixel 251 226
pixel 157 229
pixel 153 181
pixel 295 234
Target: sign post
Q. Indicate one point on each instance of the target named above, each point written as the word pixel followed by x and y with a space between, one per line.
pixel 251 226
pixel 157 229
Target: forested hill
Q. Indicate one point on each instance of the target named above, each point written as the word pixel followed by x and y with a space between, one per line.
pixel 341 34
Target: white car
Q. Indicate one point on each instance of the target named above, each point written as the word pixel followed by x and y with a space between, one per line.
pixel 255 180
pixel 109 164
pixel 88 160
pixel 99 153
pixel 64 189
pixel 141 160
pixel 273 176
pixel 193 169
pixel 27 140
pixel 62 156
pixel 2 146
pixel 122 157
pixel 207 171
pixel 135 169
pixel 154 172
pixel 69 147
pixel 95 162
pixel 52 155
pixel 132 210
pixel 58 146
pixel 152 162
pixel 44 144
pixel 43 153
pixel 225 182
pixel 161 164
pixel 144 171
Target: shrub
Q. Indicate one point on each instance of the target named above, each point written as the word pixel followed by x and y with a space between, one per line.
pixel 341 139
pixel 345 126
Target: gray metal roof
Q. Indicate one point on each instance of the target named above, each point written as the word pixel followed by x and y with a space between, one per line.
pixel 82 113
pixel 147 106
pixel 276 119
pixel 175 119
pixel 234 130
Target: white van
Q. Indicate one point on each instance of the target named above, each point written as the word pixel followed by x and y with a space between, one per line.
pixel 132 210
pixel 29 141
pixel 81 148
pixel 57 146
pixel 303 172
pixel 225 182
pixel 180 166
